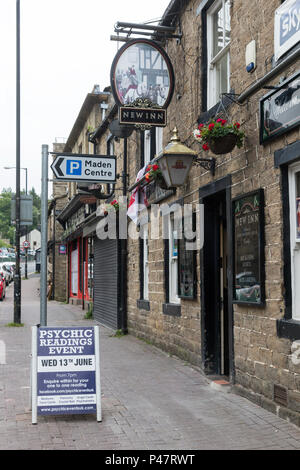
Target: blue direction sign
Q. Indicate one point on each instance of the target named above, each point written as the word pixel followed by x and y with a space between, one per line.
pixel 86 168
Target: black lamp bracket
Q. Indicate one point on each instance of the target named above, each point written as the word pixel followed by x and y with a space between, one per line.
pixel 157 32
pixel 206 163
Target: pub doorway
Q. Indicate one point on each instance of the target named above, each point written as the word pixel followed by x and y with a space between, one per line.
pixel 216 282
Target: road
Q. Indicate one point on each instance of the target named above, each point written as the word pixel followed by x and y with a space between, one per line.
pixel 30 267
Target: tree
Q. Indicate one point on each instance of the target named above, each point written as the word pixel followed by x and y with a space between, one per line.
pixel 7 230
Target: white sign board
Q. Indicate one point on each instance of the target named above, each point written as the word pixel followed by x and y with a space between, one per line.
pixel 86 168
pixel 286 27
pixel 65 371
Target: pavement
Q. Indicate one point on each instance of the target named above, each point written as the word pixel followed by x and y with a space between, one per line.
pixel 150 400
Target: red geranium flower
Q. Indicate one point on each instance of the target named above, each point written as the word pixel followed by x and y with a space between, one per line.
pixel 237 125
pixel 200 126
pixel 155 167
pixel 211 126
pixel 205 147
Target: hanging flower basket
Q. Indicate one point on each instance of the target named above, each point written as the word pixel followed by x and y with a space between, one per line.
pixel 153 173
pixel 220 145
pixel 219 136
pixel 105 208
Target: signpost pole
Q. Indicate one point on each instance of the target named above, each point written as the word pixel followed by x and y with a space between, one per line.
pixel 98 382
pixel 26 262
pixel 44 237
pixel 17 277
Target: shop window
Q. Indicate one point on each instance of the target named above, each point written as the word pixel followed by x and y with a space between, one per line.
pixel 159 139
pixel 187 265
pixel 294 202
pixel 218 45
pixel 152 144
pixel 147 147
pixel 173 263
pixel 143 303
pixel 145 248
pixel 74 269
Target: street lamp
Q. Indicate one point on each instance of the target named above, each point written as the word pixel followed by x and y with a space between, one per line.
pixel 176 160
pixel 17 281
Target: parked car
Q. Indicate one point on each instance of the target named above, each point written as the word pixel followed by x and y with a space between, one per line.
pixel 5 273
pixel 9 268
pixel 2 287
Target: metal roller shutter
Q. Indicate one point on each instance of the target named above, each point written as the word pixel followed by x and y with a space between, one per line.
pixel 106 282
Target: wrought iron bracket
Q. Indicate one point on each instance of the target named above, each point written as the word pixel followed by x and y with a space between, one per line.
pixel 207 163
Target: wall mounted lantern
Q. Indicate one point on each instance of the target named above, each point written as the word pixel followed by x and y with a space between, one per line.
pixel 175 161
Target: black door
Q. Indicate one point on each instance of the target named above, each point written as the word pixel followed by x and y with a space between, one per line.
pixel 215 261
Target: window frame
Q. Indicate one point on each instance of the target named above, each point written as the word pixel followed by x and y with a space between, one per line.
pixel 145 248
pixel 173 263
pixel 293 170
pixel 212 60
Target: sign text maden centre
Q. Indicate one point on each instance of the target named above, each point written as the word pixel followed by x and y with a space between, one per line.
pixel 104 168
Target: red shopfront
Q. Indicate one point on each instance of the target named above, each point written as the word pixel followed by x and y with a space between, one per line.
pixel 78 256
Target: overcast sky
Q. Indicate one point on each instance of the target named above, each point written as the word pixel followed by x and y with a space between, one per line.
pixel 65 50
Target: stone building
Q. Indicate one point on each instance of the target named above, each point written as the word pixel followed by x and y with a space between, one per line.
pixel 243 319
pixel 232 308
pixel 57 265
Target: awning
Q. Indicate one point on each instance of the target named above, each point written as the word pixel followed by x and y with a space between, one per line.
pixel 90 229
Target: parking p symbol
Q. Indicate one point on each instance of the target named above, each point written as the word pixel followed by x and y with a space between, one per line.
pixel 74 167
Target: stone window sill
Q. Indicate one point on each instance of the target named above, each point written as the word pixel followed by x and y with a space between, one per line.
pixel 143 304
pixel 172 309
pixel 288 328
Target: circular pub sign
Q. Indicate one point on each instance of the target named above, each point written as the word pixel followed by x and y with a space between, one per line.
pixel 142 73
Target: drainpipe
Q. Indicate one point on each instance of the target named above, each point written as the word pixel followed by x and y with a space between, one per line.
pixel 97 193
pixel 123 254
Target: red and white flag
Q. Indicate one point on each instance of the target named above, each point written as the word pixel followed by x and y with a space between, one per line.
pixel 138 200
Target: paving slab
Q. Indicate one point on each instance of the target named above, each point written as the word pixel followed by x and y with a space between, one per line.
pixel 150 400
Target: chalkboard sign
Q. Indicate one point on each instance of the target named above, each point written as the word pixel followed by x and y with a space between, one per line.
pixel 249 274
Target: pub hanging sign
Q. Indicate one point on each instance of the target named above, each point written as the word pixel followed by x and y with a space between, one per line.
pixel 280 109
pixel 249 274
pixel 142 82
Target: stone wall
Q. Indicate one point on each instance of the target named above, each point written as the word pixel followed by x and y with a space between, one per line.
pixel 261 358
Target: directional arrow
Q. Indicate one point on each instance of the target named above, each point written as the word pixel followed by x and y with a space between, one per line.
pixel 57 166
